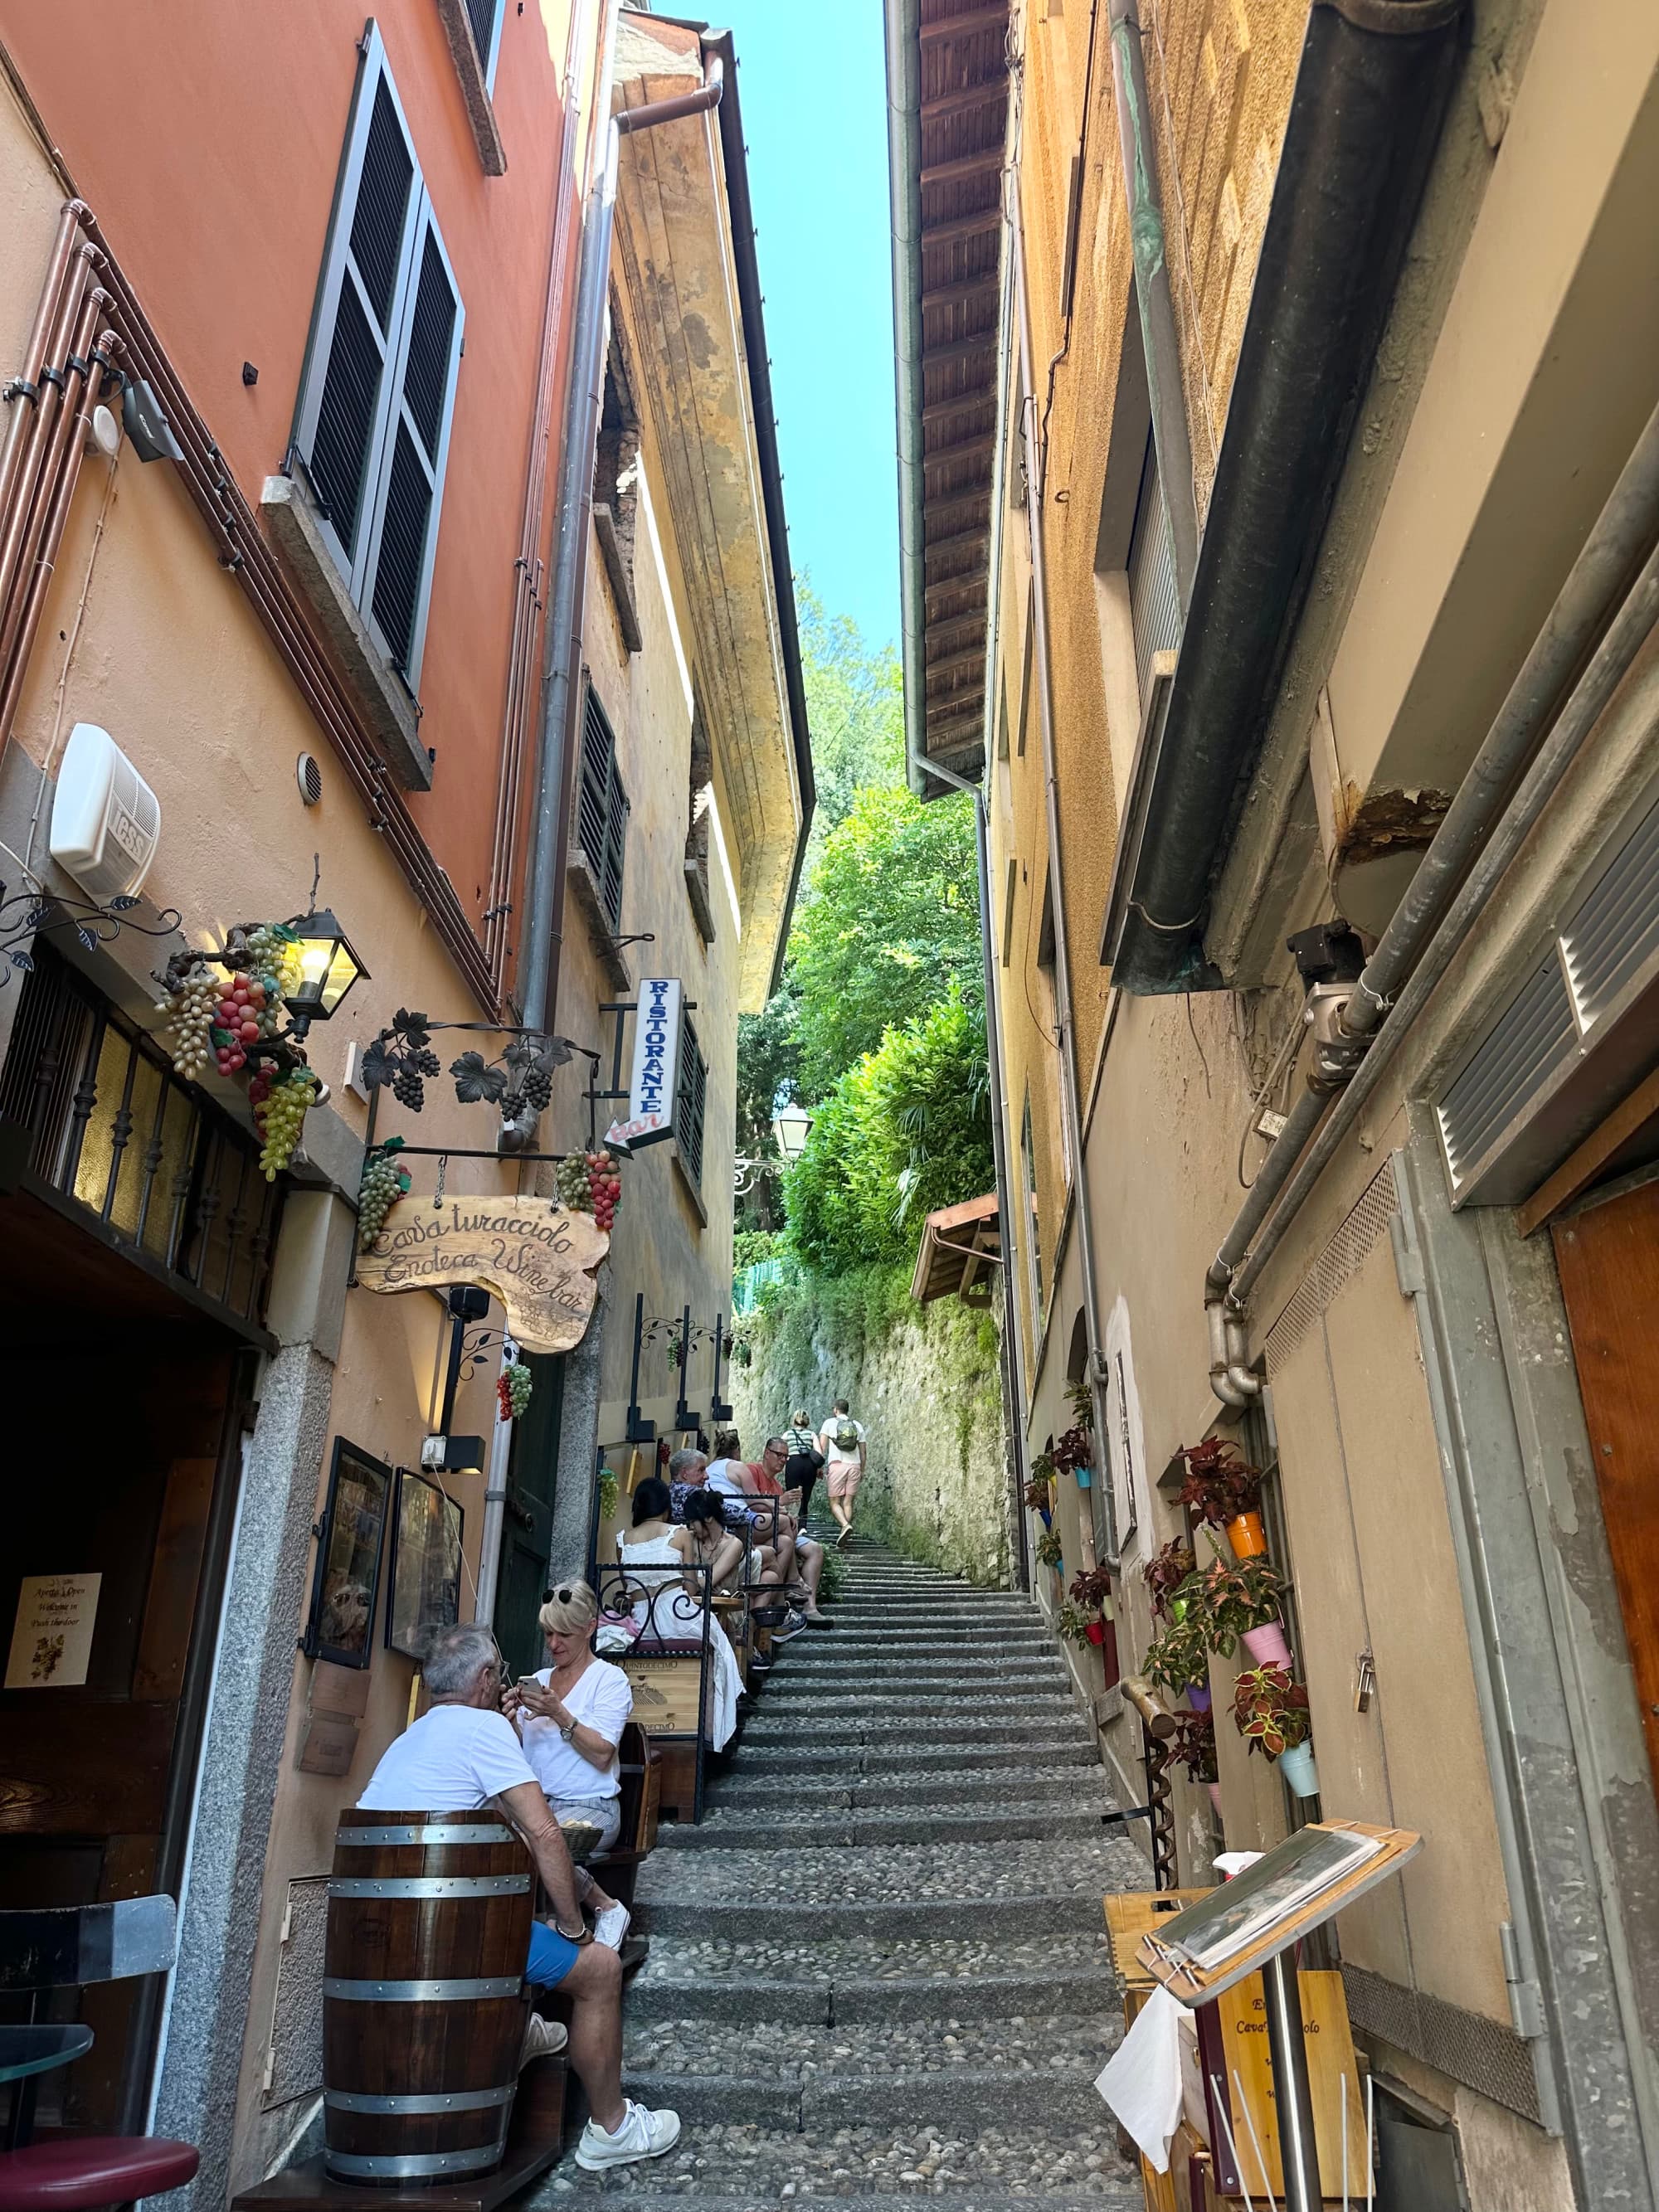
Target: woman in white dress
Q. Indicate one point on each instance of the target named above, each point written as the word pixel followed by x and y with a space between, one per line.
pixel 571 1715
pixel 656 1542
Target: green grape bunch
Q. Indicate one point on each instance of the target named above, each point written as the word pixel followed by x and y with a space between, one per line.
pixel 573 1184
pixel 190 1009
pixel 281 1116
pixel 383 1184
pixel 513 1390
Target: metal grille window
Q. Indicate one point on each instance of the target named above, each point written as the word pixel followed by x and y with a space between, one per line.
pixel 602 808
pixel 691 1100
pixel 1154 601
pixel 485 18
pixel 1033 1239
pixel 136 1156
pixel 378 390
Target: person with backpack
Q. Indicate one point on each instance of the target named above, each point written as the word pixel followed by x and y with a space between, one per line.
pixel 803 1463
pixel 842 1439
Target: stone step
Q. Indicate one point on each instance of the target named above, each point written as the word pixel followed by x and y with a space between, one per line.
pixel 775 1729
pixel 945 1702
pixel 969 1613
pixel 782 1976
pixel 850 1762
pixel 968 1671
pixel 1010 1889
pixel 959 2068
pixel 926 1639
pixel 976 1785
pixel 742 1830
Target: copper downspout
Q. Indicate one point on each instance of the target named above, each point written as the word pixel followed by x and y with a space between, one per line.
pixel 527 602
pixel 33 443
pixel 58 479
pixel 24 386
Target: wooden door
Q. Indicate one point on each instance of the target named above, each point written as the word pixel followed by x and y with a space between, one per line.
pixel 1608 1259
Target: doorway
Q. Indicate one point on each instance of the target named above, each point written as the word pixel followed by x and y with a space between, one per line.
pixel 527 1533
pixel 1607 1257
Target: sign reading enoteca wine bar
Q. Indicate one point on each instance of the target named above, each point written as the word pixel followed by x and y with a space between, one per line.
pixel 538 1259
pixel 655 1078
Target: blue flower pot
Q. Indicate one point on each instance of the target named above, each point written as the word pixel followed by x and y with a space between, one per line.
pixel 1046 1516
pixel 1296 1765
pixel 1085 1476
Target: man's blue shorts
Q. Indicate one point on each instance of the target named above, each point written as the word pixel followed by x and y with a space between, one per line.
pixel 551 1955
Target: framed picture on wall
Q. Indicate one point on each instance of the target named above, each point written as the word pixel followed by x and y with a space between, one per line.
pixel 350 1541
pixel 425 1592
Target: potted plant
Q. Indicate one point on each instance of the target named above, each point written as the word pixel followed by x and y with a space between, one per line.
pixel 1074 1455
pixel 1047 1549
pixel 1078 1627
pixel 1240 1601
pixel 1165 1572
pixel 1091 1589
pixel 1037 1495
pixel 1192 1746
pixel 1270 1709
pixel 1226 1491
pixel 1178 1661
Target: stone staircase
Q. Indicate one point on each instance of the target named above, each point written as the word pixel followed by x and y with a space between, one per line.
pixel 877 1967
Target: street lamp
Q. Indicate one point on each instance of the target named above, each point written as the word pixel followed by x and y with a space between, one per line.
pixel 792 1125
pixel 328 968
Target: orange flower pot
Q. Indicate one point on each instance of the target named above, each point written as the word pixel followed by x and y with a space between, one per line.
pixel 1248 1537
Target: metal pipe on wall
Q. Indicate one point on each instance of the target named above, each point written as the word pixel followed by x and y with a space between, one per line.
pixel 1067 1039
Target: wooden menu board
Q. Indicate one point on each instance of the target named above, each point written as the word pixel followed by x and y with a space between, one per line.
pixel 1233 2055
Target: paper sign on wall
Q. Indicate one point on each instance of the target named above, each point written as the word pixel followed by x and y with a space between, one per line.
pixel 51 1637
pixel 655 1078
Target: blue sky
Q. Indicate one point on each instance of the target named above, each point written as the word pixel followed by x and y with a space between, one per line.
pixel 815 115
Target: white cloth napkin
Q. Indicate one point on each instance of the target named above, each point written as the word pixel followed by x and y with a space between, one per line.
pixel 1141 2081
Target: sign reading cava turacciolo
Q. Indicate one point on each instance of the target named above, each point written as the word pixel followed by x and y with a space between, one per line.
pixel 655 1079
pixel 537 1258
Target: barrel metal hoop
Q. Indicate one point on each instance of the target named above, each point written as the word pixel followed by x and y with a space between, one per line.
pixel 431 1885
pixel 412 2166
pixel 447 1992
pixel 480 1831
pixel 454 2101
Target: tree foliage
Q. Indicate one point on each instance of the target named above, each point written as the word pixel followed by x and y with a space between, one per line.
pixel 906 1129
pixel 890 923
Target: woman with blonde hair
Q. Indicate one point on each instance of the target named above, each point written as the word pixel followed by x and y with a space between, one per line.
pixel 571 1715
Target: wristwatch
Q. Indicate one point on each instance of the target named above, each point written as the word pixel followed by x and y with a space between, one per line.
pixel 568 1730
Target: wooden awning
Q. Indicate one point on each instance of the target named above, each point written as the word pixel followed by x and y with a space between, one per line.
pixel 960 1245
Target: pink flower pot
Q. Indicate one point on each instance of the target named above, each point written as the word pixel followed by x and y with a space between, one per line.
pixel 1267 1646
pixel 1214 1788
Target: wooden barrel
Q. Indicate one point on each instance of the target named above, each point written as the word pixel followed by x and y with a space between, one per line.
pixel 423 2003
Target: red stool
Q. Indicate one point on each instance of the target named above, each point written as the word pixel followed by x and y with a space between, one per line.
pixel 78 2174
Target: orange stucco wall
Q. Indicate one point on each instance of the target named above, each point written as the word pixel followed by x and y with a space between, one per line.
pixel 207 139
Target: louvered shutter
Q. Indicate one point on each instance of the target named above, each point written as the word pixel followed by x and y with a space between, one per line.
pixel 484 17
pixel 602 807
pixel 402 543
pixel 691 1101
pixel 349 393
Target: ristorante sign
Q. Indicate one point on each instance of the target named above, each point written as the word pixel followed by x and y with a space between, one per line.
pixel 538 1259
pixel 655 1079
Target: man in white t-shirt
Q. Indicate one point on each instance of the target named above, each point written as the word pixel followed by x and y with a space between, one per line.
pixel 841 1441
pixel 464 1753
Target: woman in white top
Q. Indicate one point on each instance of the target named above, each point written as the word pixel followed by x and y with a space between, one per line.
pixel 655 1541
pixel 571 1715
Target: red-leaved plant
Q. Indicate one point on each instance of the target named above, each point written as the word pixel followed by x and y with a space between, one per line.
pixel 1192 1746
pixel 1165 1571
pixel 1219 1485
pixel 1270 1708
pixel 1093 1587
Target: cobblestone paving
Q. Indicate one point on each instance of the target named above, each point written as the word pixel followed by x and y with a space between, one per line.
pixel 852 2022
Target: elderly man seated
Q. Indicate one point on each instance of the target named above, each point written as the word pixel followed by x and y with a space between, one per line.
pixel 771 1540
pixel 800 1558
pixel 464 1753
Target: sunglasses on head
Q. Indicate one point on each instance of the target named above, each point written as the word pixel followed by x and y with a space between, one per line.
pixel 564 1596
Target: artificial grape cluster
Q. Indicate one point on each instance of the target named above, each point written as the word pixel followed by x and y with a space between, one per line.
pixel 383 1184
pixel 280 1115
pixel 537 1091
pixel 190 1010
pixel 571 1184
pixel 605 1185
pixel 513 1388
pixel 408 1085
pixel 241 1016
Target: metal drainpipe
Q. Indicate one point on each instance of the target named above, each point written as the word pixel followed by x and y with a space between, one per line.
pixel 1467 837
pixel 556 775
pixel 1068 1041
pixel 1159 343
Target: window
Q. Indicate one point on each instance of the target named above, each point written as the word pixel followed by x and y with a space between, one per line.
pixel 617 489
pixel 1010 891
pixel 484 18
pixel 701 823
pixel 602 808
pixel 1154 601
pixel 1033 1239
pixel 379 389
pixel 690 1100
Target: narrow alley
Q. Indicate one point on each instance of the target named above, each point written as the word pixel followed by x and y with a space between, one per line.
pixel 878 1967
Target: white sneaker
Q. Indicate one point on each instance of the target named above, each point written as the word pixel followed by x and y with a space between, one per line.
pixel 612 1924
pixel 793 1624
pixel 542 2037
pixel 641 2134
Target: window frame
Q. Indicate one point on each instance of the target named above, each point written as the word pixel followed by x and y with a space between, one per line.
pixel 358 562
pixel 1032 1239
pixel 487 62
pixel 616 799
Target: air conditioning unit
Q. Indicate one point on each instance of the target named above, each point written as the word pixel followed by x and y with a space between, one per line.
pixel 105 820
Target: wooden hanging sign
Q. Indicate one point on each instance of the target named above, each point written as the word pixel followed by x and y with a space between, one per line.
pixel 537 1258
